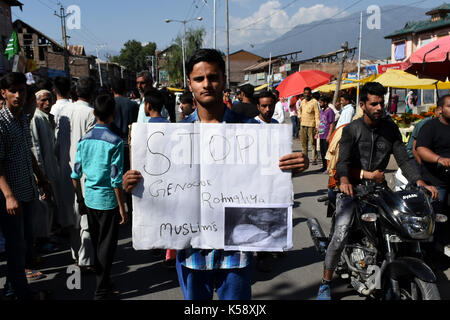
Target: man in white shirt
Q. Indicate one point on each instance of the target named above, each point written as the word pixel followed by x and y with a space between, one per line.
pixel 279 110
pixel 347 112
pixel 74 122
pixel 61 89
pixel 266 107
pixel 144 82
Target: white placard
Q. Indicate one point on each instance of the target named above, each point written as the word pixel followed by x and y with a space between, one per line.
pixel 193 172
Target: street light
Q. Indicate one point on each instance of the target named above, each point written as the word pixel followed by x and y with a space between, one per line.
pixel 183 43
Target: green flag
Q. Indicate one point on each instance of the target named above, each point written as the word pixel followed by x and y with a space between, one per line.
pixel 13 46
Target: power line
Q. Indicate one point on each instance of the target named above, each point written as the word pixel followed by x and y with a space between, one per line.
pixel 328 21
pixel 46 5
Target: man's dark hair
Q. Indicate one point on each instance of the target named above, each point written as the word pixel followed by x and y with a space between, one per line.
pixel 62 86
pixel 187 98
pixel 441 100
pixel 325 98
pixel 44 84
pixel 248 90
pixel 155 98
pixel 104 107
pixel 205 55
pixel 12 79
pixel 316 95
pixel 347 97
pixel 266 94
pixel 119 86
pixel 307 89
pixel 227 90
pixel 86 88
pixel 372 88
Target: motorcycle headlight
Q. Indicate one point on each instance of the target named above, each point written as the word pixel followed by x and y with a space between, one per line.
pixel 418 228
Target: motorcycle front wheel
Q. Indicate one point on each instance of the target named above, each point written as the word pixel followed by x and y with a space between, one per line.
pixel 415 289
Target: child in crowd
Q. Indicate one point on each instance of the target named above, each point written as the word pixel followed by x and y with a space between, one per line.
pixel 154 104
pixel 100 158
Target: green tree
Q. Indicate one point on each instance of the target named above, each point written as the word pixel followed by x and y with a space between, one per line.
pixel 134 56
pixel 194 41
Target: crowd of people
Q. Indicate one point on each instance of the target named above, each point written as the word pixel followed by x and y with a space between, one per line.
pixel 65 167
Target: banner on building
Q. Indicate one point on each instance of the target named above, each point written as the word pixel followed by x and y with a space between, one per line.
pixel 385 67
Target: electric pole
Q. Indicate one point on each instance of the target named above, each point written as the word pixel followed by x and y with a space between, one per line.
pixel 359 59
pixel 338 85
pixel 97 48
pixel 63 17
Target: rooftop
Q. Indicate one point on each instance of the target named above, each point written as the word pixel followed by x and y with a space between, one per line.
pixel 14 3
pixel 422 26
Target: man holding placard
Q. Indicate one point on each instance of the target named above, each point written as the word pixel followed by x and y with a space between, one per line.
pixel 200 271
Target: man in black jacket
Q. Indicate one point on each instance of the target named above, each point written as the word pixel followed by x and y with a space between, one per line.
pixel 364 153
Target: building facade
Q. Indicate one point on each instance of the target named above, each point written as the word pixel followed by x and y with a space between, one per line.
pixel 416 34
pixel 6 29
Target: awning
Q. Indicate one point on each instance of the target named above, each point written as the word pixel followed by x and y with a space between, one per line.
pixel 174 89
pixel 331 87
pixel 264 86
pixel 403 80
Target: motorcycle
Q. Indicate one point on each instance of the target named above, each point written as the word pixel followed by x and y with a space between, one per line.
pixel 383 256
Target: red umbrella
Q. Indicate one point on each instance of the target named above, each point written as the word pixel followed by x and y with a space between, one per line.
pixel 431 61
pixel 297 82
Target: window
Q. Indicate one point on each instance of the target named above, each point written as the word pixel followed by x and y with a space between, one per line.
pixel 424 42
pixel 428 96
pixel 400 51
pixel 28 46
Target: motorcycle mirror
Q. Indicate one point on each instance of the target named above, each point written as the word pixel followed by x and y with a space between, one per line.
pixel 441 218
pixel 369 217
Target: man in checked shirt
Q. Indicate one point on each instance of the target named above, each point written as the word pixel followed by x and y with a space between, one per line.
pixel 17 182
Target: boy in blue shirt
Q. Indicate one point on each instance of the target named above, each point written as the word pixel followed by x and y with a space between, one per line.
pixel 100 158
pixel 154 103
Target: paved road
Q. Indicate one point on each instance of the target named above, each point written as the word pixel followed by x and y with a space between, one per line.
pixel 141 276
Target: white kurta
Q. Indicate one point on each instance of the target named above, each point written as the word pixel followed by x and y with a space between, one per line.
pixel 58 107
pixel 43 147
pixel 75 120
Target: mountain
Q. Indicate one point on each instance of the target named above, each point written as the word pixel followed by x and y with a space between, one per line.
pixel 326 36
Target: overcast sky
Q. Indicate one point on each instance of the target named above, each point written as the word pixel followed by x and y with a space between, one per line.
pixel 114 22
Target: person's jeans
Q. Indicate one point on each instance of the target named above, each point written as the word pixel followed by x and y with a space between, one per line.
pixel 295 126
pixel 18 233
pixel 231 284
pixel 104 230
pixel 307 136
pixel 323 152
pixel 345 206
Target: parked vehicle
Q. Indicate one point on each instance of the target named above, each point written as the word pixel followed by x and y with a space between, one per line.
pixel 383 257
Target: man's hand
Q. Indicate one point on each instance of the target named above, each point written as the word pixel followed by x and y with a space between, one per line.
pixel 346 187
pixel 445 162
pixel 377 176
pixel 124 216
pixel 432 189
pixel 46 187
pixel 297 162
pixel 13 206
pixel 131 179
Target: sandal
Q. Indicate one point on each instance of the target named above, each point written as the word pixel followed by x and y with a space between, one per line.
pixel 34 274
